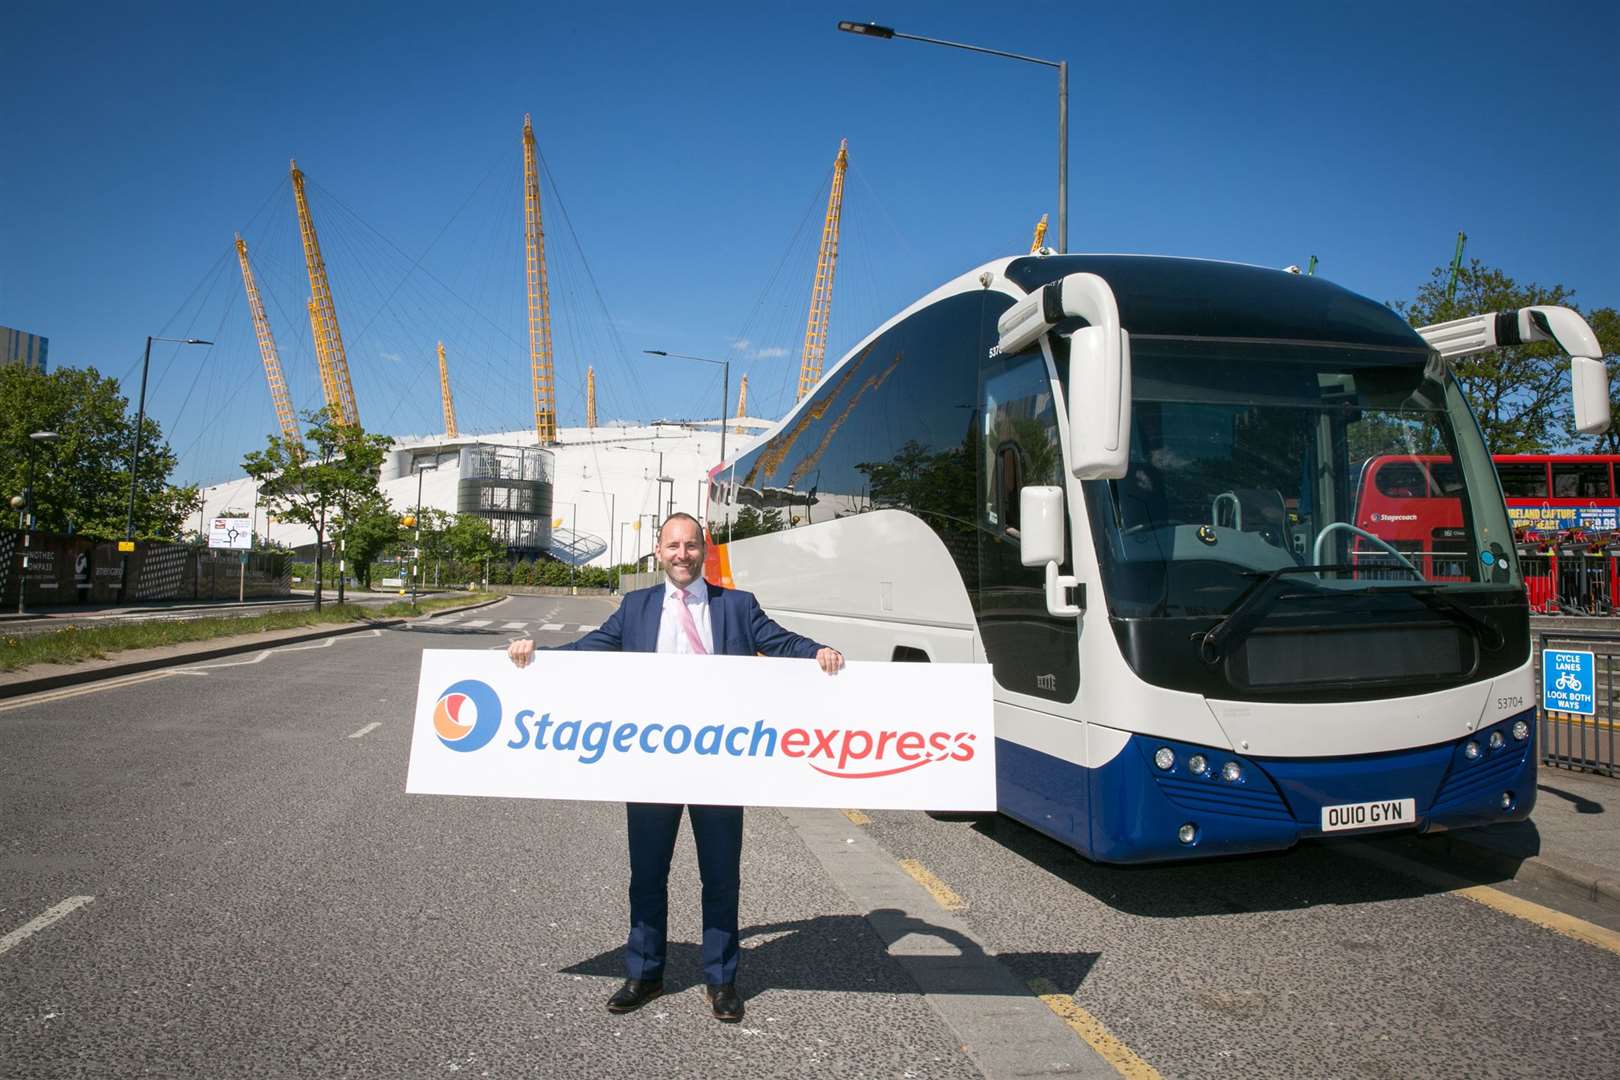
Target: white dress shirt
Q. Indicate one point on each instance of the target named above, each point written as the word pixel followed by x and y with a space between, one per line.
pixel 671 634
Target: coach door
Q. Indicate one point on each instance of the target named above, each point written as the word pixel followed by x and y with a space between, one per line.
pixel 1030 651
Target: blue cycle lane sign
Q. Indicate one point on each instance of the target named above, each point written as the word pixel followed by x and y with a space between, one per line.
pixel 1568 682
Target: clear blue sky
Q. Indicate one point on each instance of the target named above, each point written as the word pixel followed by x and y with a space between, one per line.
pixel 690 149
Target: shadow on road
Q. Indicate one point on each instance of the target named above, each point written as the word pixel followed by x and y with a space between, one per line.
pixel 844 953
pixel 1316 873
pixel 439 630
pixel 1582 804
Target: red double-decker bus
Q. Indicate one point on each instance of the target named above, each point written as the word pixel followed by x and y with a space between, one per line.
pixel 1413 502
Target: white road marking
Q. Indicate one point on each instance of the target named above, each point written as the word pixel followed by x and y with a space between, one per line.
pixel 477 622
pixel 587 629
pixel 40 922
pixel 373 726
pixel 49 696
pixel 514 625
pixel 552 626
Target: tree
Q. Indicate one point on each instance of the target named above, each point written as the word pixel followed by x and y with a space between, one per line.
pixel 1520 394
pixel 81 480
pixel 333 470
pixel 367 531
pixel 469 541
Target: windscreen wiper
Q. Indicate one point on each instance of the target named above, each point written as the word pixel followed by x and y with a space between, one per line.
pixel 1432 598
pixel 1252 606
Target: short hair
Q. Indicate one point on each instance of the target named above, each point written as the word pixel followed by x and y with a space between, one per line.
pixel 684 516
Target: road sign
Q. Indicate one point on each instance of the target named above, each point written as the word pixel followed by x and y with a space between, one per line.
pixel 1568 682
pixel 233 533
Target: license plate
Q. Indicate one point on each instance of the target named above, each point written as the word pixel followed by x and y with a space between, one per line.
pixel 1369 815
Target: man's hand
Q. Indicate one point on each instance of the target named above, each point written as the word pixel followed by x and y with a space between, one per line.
pixel 521 651
pixel 831 660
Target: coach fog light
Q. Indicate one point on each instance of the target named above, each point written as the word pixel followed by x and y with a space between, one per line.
pixel 1507 800
pixel 1496 740
pixel 1521 730
pixel 1164 757
pixel 1199 764
pixel 1471 750
pixel 1231 772
pixel 1187 833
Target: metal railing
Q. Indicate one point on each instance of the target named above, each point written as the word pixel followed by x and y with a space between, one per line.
pixel 1573 740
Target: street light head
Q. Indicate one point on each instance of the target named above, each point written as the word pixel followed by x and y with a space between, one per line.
pixel 866 29
pixel 655 352
pixel 197 341
pixel 44 436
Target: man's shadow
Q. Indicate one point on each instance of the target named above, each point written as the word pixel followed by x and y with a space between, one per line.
pixel 845 953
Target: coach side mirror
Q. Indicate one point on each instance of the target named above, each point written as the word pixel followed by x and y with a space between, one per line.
pixel 1040 543
pixel 1099 368
pixel 1589 383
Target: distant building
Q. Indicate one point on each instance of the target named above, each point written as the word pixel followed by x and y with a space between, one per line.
pixel 18 347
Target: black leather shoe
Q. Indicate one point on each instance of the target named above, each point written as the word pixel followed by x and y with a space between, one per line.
pixel 728 1007
pixel 633 995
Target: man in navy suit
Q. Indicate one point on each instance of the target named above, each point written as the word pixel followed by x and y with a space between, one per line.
pixel 686 615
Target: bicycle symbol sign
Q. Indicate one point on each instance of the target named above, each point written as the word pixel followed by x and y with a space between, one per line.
pixel 1568 682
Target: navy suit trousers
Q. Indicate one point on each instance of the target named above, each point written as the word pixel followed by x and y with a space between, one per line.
pixel 718 831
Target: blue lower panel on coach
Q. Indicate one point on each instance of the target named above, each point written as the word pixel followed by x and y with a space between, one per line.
pixel 1162 799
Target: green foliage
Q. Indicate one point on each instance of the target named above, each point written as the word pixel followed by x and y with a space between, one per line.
pixel 367 530
pixel 469 541
pixel 1519 394
pixel 81 480
pixel 937 486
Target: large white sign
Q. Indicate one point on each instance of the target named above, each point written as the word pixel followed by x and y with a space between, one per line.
pixel 723 730
pixel 230 533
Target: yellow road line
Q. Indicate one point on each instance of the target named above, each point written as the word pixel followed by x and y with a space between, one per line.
pixel 1556 921
pixel 1096 1035
pixel 940 891
pixel 857 818
pixel 48 696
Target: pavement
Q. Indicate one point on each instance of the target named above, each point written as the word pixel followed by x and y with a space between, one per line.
pixel 215 871
pixel 1570 844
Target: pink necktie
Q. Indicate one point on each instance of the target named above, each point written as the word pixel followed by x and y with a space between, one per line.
pixel 690 626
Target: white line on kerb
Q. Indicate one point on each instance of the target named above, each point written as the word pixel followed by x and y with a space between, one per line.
pixel 373 726
pixel 40 922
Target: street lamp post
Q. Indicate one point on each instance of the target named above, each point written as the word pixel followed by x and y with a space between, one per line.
pixel 417 565
pixel 28 514
pixel 140 423
pixel 873 30
pixel 613 512
pixel 725 387
pixel 134 463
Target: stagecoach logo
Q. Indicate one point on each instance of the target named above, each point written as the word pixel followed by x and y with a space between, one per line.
pixel 1394 517
pixel 1046 682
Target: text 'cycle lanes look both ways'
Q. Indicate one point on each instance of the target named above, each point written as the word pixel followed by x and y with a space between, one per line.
pixel 719 730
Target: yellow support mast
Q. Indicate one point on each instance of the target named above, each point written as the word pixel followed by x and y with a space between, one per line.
pixel 534 259
pixel 742 399
pixel 1040 235
pixel 267 352
pixel 815 329
pixel 444 395
pixel 590 397
pixel 333 362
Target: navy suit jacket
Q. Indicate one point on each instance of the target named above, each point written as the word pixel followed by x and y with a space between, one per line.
pixel 738 626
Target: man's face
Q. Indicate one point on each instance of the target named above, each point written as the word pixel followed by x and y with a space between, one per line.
pixel 680 549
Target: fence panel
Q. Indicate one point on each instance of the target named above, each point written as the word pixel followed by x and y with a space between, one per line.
pixel 1573 740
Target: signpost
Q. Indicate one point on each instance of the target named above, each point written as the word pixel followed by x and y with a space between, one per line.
pixel 234 534
pixel 1568 682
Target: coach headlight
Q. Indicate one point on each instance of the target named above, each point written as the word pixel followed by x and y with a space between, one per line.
pixel 1521 730
pixel 1231 772
pixel 1471 750
pixel 1164 758
pixel 1199 764
pixel 1496 740
pixel 1187 833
